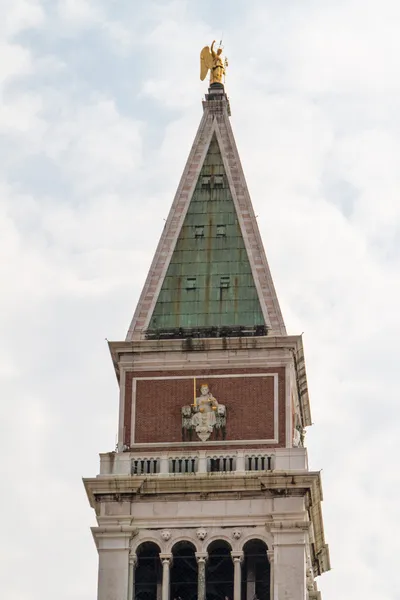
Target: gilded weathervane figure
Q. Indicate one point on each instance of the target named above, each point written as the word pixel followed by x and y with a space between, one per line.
pixel 211 60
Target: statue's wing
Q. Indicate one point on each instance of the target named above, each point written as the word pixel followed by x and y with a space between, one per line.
pixel 205 62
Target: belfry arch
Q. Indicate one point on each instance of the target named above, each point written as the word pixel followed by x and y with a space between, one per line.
pixel 219 571
pixel 256 572
pixel 148 572
pixel 183 572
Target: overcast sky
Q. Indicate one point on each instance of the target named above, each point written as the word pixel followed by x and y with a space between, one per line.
pixel 100 102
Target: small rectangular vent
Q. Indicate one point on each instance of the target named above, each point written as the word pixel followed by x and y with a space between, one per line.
pixel 191 283
pixel 221 231
pixel 199 231
pixel 218 181
pixel 212 181
pixel 225 282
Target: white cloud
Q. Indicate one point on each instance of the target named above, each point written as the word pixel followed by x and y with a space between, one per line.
pixel 94 144
pixel 80 12
pixel 19 15
pixel 81 15
pixel 16 61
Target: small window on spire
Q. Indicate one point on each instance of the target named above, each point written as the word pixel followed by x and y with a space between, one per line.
pixel 199 231
pixel 205 181
pixel 191 283
pixel 225 282
pixel 221 231
pixel 218 181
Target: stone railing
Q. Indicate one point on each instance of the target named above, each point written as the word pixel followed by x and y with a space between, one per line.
pixel 180 465
pixel 145 466
pixel 221 463
pixel 202 462
pixel 258 462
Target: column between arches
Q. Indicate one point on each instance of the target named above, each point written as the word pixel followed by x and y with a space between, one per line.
pixel 237 558
pixel 166 561
pixel 201 558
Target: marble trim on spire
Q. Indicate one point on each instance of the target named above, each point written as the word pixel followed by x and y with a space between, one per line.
pixel 250 231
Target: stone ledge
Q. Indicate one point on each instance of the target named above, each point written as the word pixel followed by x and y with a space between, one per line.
pixel 281 483
pixel 203 344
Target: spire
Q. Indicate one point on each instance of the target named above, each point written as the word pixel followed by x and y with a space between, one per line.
pixel 210 275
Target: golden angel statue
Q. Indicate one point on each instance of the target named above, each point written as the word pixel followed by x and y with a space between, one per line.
pixel 212 61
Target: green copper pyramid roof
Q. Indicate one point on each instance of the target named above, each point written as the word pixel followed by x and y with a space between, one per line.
pixel 209 282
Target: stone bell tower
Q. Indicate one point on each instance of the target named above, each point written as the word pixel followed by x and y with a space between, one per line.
pixel 209 495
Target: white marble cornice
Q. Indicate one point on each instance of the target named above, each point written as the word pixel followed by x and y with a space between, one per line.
pixel 287 483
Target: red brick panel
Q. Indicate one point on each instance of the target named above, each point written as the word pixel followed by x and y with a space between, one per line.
pixel 249 402
pixel 158 409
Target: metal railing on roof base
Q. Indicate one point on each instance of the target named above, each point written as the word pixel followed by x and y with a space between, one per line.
pixel 207 332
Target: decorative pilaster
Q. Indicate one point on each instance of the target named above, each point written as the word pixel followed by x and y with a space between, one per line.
pixel 240 461
pixel 290 546
pixel 201 575
pixel 271 557
pixel 237 558
pixel 131 575
pixel 166 561
pixel 202 468
pixel 114 545
pixel 164 464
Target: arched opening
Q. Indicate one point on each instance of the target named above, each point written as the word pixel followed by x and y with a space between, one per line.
pixel 148 572
pixel 256 575
pixel 219 571
pixel 183 572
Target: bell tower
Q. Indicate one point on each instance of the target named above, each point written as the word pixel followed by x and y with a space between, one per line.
pixel 208 495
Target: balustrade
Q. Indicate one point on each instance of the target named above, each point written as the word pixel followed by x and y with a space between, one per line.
pixel 203 461
pixel 183 464
pixel 145 466
pixel 221 464
pixel 258 462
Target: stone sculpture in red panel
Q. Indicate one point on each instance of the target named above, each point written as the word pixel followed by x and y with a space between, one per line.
pixel 204 416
